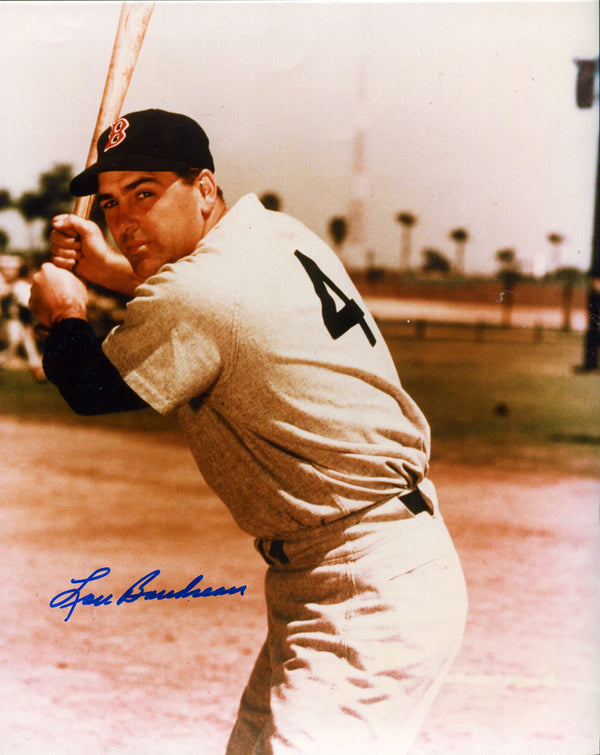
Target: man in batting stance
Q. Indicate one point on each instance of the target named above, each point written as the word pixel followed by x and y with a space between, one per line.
pixel 246 323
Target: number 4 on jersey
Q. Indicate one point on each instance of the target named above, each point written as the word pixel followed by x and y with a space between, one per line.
pixel 336 321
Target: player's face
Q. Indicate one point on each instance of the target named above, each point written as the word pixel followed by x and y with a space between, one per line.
pixel 154 217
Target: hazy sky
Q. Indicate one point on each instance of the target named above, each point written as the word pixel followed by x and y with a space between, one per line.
pixel 469 109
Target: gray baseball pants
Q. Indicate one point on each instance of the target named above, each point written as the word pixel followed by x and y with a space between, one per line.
pixel 364 620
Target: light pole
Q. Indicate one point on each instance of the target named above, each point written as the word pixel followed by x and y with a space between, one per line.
pixel 587 72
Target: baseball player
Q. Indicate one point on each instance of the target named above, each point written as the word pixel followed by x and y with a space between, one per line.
pixel 246 324
pixel 17 318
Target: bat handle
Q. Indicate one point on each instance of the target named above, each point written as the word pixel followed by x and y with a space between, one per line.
pixel 83 206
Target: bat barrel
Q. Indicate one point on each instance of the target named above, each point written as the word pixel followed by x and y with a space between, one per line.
pixel 131 29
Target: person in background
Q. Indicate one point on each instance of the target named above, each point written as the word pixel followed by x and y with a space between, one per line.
pixel 17 318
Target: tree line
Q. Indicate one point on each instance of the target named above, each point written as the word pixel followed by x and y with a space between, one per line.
pixel 434 260
pixel 52 197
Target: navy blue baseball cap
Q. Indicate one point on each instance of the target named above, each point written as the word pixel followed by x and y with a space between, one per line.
pixel 146 140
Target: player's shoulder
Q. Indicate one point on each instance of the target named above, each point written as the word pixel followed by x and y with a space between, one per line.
pixel 248 219
pixel 196 286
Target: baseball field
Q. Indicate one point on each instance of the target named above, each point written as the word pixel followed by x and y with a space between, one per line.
pixel 516 463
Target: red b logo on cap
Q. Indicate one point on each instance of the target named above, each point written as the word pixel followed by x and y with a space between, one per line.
pixel 117 133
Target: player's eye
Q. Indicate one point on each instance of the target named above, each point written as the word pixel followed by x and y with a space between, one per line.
pixel 108 204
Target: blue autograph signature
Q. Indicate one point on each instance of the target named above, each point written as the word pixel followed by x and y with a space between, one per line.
pixel 70 598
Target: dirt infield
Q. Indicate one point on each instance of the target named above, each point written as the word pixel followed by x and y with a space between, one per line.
pixel 164 678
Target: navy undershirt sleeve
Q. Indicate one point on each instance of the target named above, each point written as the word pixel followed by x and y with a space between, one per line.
pixel 88 381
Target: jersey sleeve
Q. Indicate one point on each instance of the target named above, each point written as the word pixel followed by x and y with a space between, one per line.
pixel 86 379
pixel 175 340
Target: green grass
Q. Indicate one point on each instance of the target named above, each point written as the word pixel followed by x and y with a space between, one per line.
pixel 504 400
pixel 22 396
pixel 494 402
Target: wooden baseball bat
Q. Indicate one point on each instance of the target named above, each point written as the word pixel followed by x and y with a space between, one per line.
pixel 131 29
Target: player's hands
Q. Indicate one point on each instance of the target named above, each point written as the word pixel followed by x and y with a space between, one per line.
pixel 78 245
pixel 57 294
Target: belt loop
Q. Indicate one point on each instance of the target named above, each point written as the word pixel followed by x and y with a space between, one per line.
pixel 415 502
pixel 276 553
pixel 260 547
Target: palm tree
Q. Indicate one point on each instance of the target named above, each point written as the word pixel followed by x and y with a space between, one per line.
pixel 435 261
pixel 460 236
pixel 407 220
pixel 509 275
pixel 556 239
pixel 338 230
pixel 51 198
pixel 271 201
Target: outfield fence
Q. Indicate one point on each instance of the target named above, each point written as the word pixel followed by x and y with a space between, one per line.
pixel 466 331
pixel 426 319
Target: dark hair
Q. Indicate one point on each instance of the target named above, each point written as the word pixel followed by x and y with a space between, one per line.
pixel 189 175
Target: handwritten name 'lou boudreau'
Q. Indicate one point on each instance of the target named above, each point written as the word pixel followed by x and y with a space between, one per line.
pixel 137 591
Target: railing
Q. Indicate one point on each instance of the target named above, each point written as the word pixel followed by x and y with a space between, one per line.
pixel 477 331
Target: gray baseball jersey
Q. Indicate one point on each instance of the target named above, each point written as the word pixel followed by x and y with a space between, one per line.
pixel 285 389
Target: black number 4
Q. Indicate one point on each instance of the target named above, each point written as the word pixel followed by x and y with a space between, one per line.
pixel 336 321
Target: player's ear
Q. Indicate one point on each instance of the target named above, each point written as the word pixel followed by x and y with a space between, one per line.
pixel 207 190
pixel 207 186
